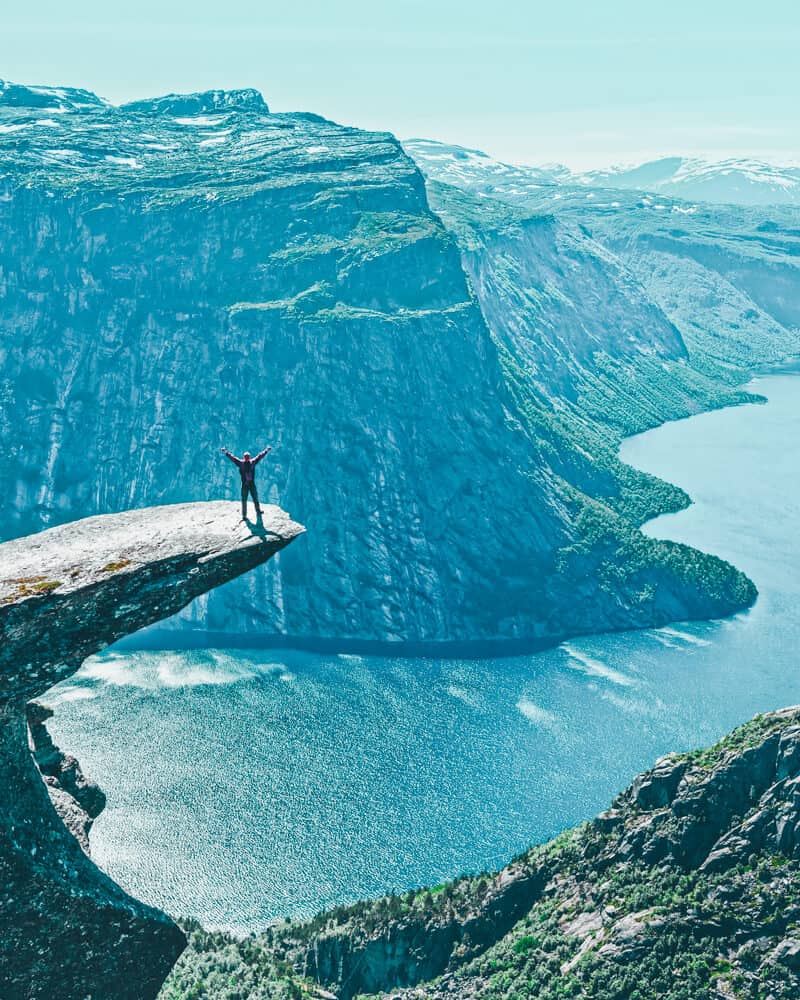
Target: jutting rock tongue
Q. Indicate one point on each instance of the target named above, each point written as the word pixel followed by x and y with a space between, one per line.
pixel 66 929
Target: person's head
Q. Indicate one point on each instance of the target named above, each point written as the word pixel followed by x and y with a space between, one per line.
pixel 247 456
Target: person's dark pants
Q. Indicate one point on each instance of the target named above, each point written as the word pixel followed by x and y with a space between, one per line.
pixel 251 489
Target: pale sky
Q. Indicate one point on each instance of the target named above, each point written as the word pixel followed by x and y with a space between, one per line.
pixel 583 83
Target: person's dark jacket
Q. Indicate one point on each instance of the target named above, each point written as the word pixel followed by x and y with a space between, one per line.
pixel 247 468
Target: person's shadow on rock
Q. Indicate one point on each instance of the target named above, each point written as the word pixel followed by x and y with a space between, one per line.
pixel 257 527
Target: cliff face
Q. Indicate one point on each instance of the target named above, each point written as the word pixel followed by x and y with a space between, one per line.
pixel 580 258
pixel 688 887
pixel 66 930
pixel 550 293
pixel 615 311
pixel 185 277
pixel 188 272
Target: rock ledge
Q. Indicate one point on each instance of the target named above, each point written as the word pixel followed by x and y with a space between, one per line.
pixel 67 930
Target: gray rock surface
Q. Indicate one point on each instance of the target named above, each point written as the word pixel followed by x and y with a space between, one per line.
pixel 77 800
pixel 66 930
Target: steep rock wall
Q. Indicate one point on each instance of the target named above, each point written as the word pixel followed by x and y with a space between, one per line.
pixel 286 283
pixel 191 272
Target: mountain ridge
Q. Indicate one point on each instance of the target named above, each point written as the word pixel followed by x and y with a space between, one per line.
pixel 741 180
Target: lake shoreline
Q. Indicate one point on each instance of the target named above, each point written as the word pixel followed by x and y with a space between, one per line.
pixel 248 785
pixel 157 638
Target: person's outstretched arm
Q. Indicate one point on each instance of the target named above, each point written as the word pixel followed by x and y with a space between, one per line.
pixel 233 458
pixel 261 454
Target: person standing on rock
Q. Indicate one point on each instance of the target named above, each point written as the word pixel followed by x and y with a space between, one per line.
pixel 247 470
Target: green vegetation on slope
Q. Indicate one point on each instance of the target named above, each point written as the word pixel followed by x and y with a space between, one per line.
pixel 687 888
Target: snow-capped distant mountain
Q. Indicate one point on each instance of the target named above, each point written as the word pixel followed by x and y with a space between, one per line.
pixel 466 168
pixel 732 181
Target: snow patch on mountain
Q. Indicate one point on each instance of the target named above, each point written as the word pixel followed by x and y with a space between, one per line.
pixel 736 181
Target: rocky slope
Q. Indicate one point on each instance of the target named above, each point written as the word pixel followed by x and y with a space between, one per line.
pixel 66 930
pixel 77 800
pixel 193 271
pixel 616 311
pixel 724 277
pixel 686 888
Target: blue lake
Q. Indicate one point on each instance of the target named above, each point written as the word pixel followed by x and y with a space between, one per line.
pixel 248 785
